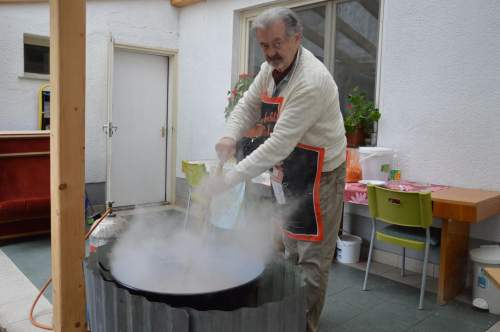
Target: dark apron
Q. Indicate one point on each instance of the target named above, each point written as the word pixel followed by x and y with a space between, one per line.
pixel 300 180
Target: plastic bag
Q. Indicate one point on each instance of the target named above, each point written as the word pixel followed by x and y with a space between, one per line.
pixel 353 167
pixel 226 208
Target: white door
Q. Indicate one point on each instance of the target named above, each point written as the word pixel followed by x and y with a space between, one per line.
pixel 138 146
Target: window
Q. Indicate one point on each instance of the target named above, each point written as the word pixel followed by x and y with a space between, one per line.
pixel 36 55
pixel 342 34
pixel 356 46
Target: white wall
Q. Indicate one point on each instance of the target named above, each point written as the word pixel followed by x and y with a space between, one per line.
pixel 18 96
pixel 152 23
pixel 440 95
pixel 439 98
pixel 206 51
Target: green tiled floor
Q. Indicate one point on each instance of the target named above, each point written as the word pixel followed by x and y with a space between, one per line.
pixel 386 306
pixel 391 306
pixel 32 257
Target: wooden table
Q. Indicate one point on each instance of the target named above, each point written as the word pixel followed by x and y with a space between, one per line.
pixel 494 274
pixel 458 208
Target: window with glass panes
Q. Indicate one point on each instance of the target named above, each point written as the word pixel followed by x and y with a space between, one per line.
pixel 342 34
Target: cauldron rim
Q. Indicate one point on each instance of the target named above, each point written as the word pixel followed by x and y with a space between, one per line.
pixel 221 290
pixel 104 251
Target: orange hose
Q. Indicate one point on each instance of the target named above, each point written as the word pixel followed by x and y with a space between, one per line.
pixel 33 321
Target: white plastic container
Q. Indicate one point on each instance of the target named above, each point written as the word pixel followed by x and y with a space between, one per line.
pixel 348 248
pixel 485 294
pixel 375 162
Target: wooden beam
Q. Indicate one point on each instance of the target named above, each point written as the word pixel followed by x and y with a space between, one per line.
pixel 313 37
pixel 21 1
pixel 356 37
pixel 371 6
pixel 67 163
pixel 454 250
pixel 24 134
pixel 24 154
pixel 184 3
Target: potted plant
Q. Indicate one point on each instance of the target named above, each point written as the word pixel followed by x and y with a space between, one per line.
pixel 359 118
pixel 234 95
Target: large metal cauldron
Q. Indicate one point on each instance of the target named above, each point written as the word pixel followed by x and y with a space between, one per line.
pixel 242 295
pixel 273 302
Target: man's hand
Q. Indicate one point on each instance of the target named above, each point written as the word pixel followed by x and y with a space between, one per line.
pixel 225 148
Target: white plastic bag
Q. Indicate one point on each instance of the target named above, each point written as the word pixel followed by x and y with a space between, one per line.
pixel 226 209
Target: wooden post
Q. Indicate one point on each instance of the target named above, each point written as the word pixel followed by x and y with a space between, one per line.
pixel 67 144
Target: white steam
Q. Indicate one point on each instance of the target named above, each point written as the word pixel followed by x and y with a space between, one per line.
pixel 157 254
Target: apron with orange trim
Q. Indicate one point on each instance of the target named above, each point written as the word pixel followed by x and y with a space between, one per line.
pixel 298 175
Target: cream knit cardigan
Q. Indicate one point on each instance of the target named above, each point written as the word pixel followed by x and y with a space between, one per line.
pixel 310 115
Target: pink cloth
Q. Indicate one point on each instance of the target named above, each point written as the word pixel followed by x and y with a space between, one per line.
pixel 357 193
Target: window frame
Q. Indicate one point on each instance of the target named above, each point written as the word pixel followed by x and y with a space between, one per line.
pixel 247 15
pixel 38 40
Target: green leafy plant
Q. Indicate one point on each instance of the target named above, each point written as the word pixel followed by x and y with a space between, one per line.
pixel 234 95
pixel 361 112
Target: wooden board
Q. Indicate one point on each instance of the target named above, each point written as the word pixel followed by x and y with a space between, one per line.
pixel 466 205
pixel 494 274
pixel 24 134
pixel 22 1
pixel 24 154
pixel 67 151
pixel 184 3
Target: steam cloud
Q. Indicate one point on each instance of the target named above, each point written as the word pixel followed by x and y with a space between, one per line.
pixel 158 254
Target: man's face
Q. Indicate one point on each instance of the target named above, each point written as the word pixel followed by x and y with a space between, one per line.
pixel 279 49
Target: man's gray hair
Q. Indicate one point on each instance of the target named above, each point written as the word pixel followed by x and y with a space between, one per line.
pixel 288 16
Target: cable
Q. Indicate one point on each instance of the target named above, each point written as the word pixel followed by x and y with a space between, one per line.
pixel 33 321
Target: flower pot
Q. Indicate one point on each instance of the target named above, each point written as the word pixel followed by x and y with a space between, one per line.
pixel 356 138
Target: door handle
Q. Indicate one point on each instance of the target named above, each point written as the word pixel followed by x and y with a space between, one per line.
pixel 109 129
pixel 163 131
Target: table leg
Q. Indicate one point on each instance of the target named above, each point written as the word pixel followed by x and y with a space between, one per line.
pixel 453 262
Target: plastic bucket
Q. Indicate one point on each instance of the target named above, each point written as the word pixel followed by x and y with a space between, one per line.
pixel 485 294
pixel 348 248
pixel 375 162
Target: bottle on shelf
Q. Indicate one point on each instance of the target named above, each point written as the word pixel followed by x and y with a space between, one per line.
pixel 395 173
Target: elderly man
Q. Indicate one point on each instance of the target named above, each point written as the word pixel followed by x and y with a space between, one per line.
pixel 294 101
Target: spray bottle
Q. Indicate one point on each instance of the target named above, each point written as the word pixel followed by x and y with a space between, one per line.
pixel 395 174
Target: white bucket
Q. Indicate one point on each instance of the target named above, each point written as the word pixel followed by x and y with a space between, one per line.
pixel 348 248
pixel 375 162
pixel 485 294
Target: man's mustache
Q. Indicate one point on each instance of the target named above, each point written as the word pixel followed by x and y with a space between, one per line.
pixel 274 58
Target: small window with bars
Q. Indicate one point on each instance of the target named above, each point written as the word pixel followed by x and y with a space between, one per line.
pixel 36 55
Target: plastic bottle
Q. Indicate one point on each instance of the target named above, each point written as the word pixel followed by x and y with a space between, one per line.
pixel 395 174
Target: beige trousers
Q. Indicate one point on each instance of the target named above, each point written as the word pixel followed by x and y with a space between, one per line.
pixel 315 258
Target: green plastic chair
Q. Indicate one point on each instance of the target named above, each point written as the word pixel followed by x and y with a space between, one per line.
pixel 195 172
pixel 410 217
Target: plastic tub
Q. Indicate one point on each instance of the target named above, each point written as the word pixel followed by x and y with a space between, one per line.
pixel 375 162
pixel 348 248
pixel 484 292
